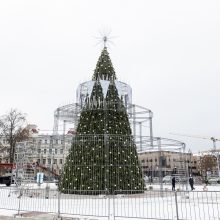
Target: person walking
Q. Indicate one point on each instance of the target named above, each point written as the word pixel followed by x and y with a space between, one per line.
pixel 173 183
pixel 191 182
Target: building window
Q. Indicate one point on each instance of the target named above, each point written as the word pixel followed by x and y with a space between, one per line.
pixel 61 151
pixel 62 141
pixel 55 151
pixel 55 161
pixel 44 161
pixel 61 161
pixel 51 141
pixel 57 142
pixel 45 151
pixel 50 151
pixel 45 141
pixel 39 150
pixel 39 142
pixel 49 161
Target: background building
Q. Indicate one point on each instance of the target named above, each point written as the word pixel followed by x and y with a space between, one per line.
pixel 168 162
pixel 41 152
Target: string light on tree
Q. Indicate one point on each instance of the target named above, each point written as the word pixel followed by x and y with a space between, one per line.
pixel 103 146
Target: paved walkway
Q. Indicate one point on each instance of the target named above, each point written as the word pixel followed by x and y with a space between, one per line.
pixel 43 217
pixel 39 216
pixel 34 217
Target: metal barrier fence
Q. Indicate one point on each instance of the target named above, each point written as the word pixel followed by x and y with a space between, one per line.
pixel 85 203
pixel 193 205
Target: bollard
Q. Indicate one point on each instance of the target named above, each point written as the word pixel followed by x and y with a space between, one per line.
pixel 47 191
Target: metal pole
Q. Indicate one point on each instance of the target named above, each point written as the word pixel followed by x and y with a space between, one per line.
pixel 56 121
pixel 186 168
pixel 140 128
pixel 216 154
pixel 58 211
pixel 109 207
pixel 113 207
pixel 19 204
pixel 106 147
pixel 151 129
pixel 160 163
pixel 176 204
pixel 64 140
pixel 134 121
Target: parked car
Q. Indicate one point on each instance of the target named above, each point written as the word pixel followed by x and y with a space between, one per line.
pixel 156 179
pixel 56 181
pixel 146 179
pixel 167 179
pixel 45 178
pixel 182 179
pixel 214 180
pixel 6 179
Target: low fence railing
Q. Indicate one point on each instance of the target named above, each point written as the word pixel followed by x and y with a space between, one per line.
pixel 152 204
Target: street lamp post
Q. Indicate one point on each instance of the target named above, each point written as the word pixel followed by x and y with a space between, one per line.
pixel 216 154
pixel 190 163
pixel 151 178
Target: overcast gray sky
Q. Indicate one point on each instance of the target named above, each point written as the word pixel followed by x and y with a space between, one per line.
pixel 168 51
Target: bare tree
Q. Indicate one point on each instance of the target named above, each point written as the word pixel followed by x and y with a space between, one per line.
pixel 208 163
pixel 12 128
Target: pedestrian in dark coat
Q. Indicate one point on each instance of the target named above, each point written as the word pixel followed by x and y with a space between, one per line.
pixel 191 182
pixel 173 183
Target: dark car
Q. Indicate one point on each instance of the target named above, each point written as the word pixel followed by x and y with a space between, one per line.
pixel 7 180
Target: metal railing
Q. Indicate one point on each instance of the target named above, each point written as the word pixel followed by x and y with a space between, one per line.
pixel 152 204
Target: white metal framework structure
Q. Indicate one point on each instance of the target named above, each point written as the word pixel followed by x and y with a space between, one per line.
pixel 140 121
pixel 140 117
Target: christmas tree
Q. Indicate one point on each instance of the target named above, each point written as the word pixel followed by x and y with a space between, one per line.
pixel 103 156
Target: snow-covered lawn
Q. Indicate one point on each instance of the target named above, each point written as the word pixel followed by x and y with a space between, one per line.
pixel 198 204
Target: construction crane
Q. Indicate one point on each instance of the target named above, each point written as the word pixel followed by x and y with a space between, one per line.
pixel 213 139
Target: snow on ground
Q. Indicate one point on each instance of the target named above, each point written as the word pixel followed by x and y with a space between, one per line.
pixel 198 204
pixel 183 187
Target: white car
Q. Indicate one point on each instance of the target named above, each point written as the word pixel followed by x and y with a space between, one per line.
pixel 146 179
pixel 167 179
pixel 214 180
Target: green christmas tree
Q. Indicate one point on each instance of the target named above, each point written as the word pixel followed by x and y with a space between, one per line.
pixel 103 156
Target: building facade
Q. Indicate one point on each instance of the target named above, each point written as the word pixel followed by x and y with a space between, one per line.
pixel 41 152
pixel 168 162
